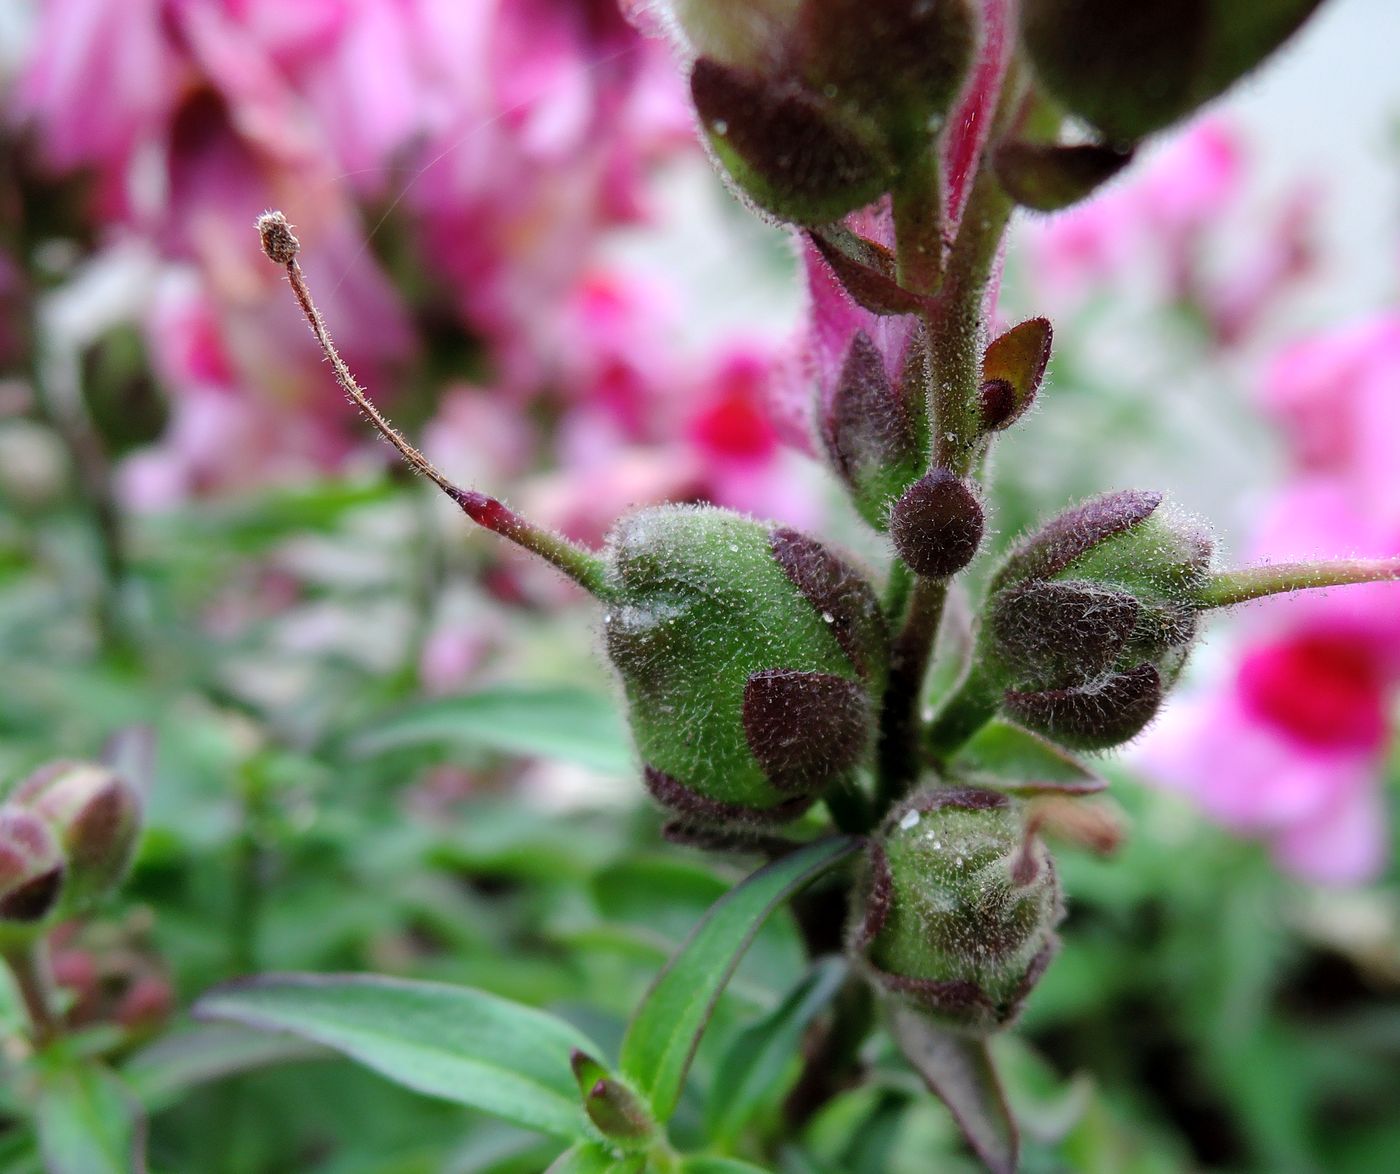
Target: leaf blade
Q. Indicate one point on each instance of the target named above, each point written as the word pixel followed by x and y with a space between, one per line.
pixel 454 1043
pixel 958 1070
pixel 561 722
pixel 666 1028
pixel 87 1121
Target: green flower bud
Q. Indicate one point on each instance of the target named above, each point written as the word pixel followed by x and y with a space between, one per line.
pixel 960 907
pixel 900 62
pixel 793 152
pixel 96 815
pixel 1013 367
pixel 751 658
pixel 1090 619
pixel 31 867
pixel 1132 69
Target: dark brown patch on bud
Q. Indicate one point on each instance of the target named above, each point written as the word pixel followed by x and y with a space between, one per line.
pixel 1105 713
pixel 865 420
pixel 955 998
pixel 879 892
pixel 867 273
pixel 278 241
pixel 937 525
pixel 33 899
pixel 1047 177
pixel 1057 632
pixel 1039 964
pixel 804 728
pixel 800 158
pixel 966 798
pixel 676 796
pixel 835 588
pixel 1013 368
pixel 1073 533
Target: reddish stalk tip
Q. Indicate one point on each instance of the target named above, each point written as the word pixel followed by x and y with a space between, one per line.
pixel 279 242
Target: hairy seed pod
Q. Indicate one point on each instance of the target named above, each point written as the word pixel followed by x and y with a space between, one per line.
pixel 960 906
pixel 751 657
pixel 1090 619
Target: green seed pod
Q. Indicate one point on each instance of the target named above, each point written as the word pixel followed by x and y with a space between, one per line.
pixel 31 868
pixel 1132 69
pixel 793 152
pixel 960 907
pixel 751 658
pixel 96 815
pixel 1089 620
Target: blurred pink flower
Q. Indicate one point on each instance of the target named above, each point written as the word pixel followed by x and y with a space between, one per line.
pixel 1337 396
pixel 1290 746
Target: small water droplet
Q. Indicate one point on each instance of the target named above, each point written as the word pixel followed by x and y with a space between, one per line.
pixel 910 819
pixel 720 126
pixel 827 617
pixel 733 548
pixel 937 844
pixel 959 862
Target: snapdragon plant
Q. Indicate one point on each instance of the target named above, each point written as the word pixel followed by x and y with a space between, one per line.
pixel 775 690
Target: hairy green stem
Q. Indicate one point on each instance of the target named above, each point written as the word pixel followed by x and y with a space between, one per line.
pixel 29 965
pixel 1231 587
pixel 969 707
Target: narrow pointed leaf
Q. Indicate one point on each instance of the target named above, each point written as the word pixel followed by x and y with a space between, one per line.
pixel 450 1042
pixel 591 1158
pixel 666 1029
pixel 568 724
pixel 958 1069
pixel 88 1123
pixel 181 1060
pixel 1008 758
pixel 749 1075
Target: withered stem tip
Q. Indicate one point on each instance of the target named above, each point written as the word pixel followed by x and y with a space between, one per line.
pixel 278 241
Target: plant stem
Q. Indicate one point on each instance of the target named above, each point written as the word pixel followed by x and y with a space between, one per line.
pixel 29 964
pixel 918 217
pixel 969 707
pixel 1231 587
pixel 583 566
pixel 909 661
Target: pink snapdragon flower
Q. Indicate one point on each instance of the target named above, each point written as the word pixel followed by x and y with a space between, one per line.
pixel 1291 744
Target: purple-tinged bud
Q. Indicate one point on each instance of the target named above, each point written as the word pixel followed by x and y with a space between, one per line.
pixel 1012 370
pixel 1089 620
pixel 1047 177
pixel 961 903
pixel 96 815
pixel 868 272
pixel 616 1111
pixel 901 61
pixel 792 152
pixel 1100 714
pixel 1053 632
pixel 937 525
pixel 876 436
pixel 1132 69
pixel 31 867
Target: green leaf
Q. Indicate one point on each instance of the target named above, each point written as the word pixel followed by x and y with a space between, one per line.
pixel 1008 758
pixel 456 1043
pixel 751 1072
pixel 572 725
pixel 88 1123
pixel 187 1058
pixel 666 1028
pixel 958 1069
pixel 704 1165
pixel 595 1159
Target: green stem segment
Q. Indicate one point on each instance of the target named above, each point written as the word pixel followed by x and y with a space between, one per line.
pixel 1231 587
pixel 585 567
pixel 29 965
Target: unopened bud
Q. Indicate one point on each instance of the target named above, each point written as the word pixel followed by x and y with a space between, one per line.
pixel 617 1112
pixel 96 815
pixel 750 657
pixel 750 34
pixel 960 908
pixel 937 525
pixel 1132 69
pixel 1090 619
pixel 31 867
pixel 876 436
